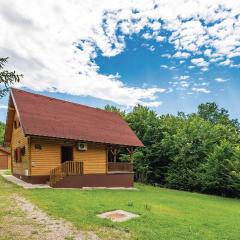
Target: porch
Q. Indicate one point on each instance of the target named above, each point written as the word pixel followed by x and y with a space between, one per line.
pixel 71 174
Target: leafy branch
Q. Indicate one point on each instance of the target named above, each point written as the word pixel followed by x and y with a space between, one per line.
pixel 7 78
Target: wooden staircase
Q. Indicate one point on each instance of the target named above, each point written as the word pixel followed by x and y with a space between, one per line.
pixel 68 168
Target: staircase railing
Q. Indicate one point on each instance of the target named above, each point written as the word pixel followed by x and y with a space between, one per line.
pixel 65 169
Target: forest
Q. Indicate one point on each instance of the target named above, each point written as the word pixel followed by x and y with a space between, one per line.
pixel 198 152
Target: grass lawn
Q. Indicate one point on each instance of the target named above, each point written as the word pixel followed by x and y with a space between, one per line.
pixel 165 214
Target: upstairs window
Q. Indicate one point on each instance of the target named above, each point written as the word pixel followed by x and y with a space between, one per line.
pixel 16 124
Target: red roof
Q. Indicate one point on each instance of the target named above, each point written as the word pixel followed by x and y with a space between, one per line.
pixel 44 116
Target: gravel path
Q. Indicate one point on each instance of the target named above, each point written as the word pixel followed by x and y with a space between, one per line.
pixel 51 228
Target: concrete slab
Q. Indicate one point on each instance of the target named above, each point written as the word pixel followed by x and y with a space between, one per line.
pixel 23 184
pixel 118 215
pixel 111 188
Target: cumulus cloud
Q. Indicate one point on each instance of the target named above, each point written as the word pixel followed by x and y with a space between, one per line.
pixel 200 62
pixel 3 106
pixel 160 38
pixel 55 45
pixel 164 66
pixel 226 62
pixel 201 90
pixel 184 77
pixel 181 55
pixel 220 80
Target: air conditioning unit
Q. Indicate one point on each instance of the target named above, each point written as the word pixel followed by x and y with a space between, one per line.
pixel 82 146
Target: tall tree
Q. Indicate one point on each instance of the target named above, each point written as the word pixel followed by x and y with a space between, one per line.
pixel 211 112
pixel 111 108
pixel 2 129
pixel 7 78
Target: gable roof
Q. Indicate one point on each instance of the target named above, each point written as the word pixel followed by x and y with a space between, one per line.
pixel 49 117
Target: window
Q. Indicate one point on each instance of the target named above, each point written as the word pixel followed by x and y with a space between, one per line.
pixel 18 154
pixel 38 146
pixel 15 155
pixel 16 124
pixel 23 151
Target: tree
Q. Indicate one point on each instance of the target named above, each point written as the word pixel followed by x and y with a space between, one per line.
pixel 222 170
pixel 196 152
pixel 2 129
pixel 111 108
pixel 210 112
pixel 7 78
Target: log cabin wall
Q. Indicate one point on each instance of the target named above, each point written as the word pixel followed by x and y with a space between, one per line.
pixel 95 158
pixel 19 140
pixel 46 155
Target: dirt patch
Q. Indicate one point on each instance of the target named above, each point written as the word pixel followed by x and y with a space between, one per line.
pixel 118 215
pixel 48 227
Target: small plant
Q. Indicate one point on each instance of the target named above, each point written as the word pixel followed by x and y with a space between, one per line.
pixel 69 238
pixel 147 207
pixel 130 204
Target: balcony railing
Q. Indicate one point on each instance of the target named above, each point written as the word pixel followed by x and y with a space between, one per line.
pixel 120 167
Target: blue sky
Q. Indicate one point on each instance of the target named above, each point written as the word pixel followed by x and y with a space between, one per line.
pixel 170 57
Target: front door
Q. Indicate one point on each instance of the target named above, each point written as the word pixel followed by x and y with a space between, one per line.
pixel 66 153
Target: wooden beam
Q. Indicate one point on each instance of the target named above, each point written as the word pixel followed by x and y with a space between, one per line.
pixel 130 151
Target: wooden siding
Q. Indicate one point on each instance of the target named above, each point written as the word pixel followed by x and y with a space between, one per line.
pixel 19 140
pixel 5 157
pixel 46 158
pixel 95 158
pixel 49 156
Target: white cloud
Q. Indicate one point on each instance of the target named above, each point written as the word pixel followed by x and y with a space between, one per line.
pixel 184 77
pixel 201 90
pixel 155 25
pixel 184 84
pixel 151 48
pixel 160 38
pixel 164 66
pixel 226 62
pixel 3 106
pixel 166 55
pixel 200 62
pixel 221 80
pixel 147 36
pixel 55 45
pixel 181 55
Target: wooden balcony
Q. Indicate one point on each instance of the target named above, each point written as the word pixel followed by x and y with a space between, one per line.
pixel 120 167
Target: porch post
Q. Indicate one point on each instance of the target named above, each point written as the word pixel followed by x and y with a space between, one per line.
pixel 130 152
pixel 114 152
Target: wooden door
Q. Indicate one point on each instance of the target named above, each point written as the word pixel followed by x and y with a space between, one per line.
pixel 3 161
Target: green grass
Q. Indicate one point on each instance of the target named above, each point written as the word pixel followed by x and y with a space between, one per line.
pixel 7 172
pixel 165 214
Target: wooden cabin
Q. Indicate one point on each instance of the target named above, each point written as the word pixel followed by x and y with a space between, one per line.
pixel 67 144
pixel 5 158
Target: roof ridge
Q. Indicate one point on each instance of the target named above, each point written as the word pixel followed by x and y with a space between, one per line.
pixel 64 101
